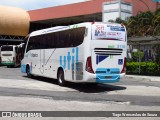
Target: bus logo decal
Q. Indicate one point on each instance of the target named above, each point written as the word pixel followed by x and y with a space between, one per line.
pixel 100 58
pixel 69 59
pixel 117 28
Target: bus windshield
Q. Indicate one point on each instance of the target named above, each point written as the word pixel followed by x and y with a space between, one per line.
pixel 108 32
pixel 7 48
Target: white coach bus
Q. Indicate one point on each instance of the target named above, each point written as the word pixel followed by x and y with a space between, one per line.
pixel 0 55
pixel 11 55
pixel 86 52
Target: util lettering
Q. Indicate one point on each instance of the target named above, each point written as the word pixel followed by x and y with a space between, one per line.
pixel 69 59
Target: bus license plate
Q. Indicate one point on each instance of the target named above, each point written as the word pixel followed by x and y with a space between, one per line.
pixel 108 77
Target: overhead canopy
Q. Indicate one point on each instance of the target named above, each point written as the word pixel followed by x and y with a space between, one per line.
pixel 83 11
pixel 14 21
pixel 148 40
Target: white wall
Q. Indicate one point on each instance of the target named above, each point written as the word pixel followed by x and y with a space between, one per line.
pixel 111 6
pixel 111 16
pixel 111 11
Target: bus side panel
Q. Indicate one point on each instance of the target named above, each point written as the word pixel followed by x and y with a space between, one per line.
pixel 71 60
pixel 29 59
pixel 50 63
pixel 36 64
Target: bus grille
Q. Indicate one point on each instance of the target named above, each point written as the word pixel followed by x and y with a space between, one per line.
pixel 108 51
pixel 6 54
pixel 103 71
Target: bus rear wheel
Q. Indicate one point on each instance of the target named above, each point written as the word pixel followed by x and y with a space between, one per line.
pixel 61 80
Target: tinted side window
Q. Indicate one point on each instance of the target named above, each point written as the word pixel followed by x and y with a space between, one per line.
pixel 52 40
pixel 41 42
pixel 36 42
pixel 7 48
pixel 66 38
pixel 31 44
pixel 29 47
pixel 61 39
pixel 76 36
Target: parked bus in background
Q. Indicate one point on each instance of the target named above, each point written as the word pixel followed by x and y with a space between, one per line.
pixel 85 52
pixel 0 55
pixel 11 55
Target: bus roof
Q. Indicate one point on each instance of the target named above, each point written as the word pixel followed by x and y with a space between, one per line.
pixel 47 30
pixel 59 28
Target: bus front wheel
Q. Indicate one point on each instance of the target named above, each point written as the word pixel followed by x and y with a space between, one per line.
pixel 61 80
pixel 28 72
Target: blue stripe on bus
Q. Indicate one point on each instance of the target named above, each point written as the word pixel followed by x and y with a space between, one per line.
pixel 23 68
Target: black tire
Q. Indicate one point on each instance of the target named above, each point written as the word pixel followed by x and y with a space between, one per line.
pixel 28 72
pixel 9 66
pixel 61 80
